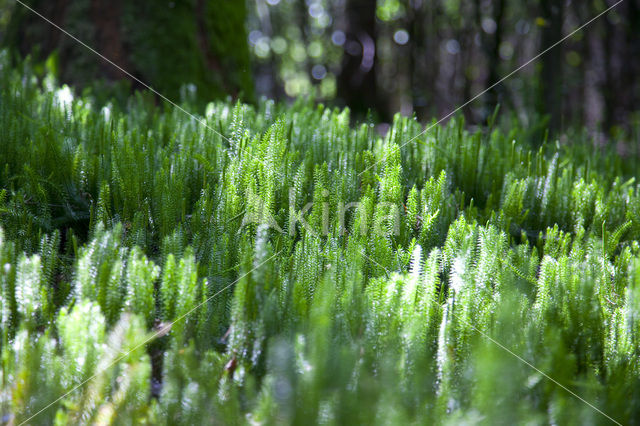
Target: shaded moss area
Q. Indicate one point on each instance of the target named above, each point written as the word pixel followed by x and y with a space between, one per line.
pixel 167 44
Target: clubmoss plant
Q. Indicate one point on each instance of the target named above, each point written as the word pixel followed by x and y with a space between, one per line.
pixel 300 268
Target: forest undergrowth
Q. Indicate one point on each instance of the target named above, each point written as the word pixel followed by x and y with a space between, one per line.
pixel 283 265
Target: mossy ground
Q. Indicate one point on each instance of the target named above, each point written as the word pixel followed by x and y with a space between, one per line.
pixel 117 222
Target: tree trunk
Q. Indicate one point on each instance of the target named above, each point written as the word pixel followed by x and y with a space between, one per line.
pixel 551 73
pixel 164 44
pixel 630 64
pixel 494 96
pixel 357 85
pixel 424 61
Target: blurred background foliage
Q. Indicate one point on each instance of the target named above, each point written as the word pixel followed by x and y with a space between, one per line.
pixel 428 57
pixel 377 57
pixel 180 47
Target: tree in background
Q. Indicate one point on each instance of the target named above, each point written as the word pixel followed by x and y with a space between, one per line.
pixel 433 55
pixel 422 57
pixel 166 44
pixel 357 84
pixel 551 64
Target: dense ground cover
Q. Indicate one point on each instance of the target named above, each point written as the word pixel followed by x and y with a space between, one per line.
pixel 316 272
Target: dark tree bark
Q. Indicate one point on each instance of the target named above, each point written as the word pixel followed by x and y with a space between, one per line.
pixel 424 59
pixel 618 84
pixel 490 45
pixel 357 85
pixel 494 96
pixel 629 96
pixel 551 71
pixel 106 14
pixel 576 109
pixel 164 44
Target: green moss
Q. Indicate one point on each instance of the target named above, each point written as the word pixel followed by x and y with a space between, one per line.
pixel 163 259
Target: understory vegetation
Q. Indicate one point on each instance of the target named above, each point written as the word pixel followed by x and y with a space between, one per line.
pixel 283 265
